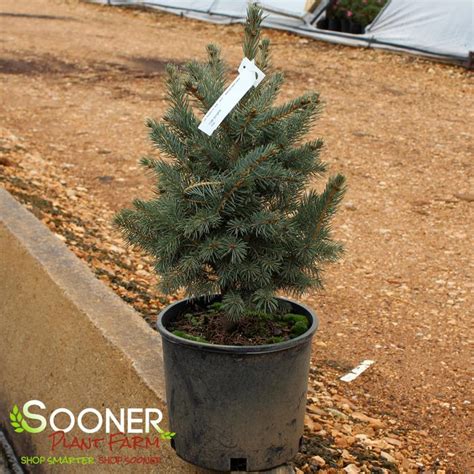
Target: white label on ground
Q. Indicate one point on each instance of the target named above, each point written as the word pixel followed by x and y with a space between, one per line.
pixel 354 373
pixel 249 76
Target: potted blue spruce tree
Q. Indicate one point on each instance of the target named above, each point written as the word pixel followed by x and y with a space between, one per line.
pixel 233 223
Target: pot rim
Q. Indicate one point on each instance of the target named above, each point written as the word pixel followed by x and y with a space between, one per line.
pixel 264 348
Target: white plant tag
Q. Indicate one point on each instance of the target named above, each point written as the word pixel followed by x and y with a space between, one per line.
pixel 354 373
pixel 249 76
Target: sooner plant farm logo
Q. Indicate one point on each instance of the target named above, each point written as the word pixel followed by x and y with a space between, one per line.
pixel 115 434
pixel 107 430
pixel 130 420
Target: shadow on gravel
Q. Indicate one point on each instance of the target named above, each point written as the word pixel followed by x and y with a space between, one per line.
pixel 47 64
pixel 38 17
pixel 151 66
pixel 43 65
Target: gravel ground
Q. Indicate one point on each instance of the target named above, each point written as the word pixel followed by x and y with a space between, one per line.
pixel 4 469
pixel 78 82
pixel 8 462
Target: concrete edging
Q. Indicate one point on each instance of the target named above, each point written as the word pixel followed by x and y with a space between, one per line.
pixel 85 346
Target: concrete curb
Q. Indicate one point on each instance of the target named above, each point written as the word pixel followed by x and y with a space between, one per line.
pixel 85 347
pixel 136 340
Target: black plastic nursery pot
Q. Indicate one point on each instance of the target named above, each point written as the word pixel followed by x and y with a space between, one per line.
pixel 236 408
pixel 356 28
pixel 345 25
pixel 334 24
pixel 322 24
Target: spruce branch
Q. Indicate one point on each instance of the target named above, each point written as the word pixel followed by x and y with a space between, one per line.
pixel 217 66
pixel 252 31
pixel 263 56
pixel 234 305
pixel 201 184
pixel 166 141
pixel 148 162
pixel 202 84
pixel 330 199
pixel 255 158
pixel 306 102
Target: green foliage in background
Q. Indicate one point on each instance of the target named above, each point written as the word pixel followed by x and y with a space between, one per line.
pixel 361 11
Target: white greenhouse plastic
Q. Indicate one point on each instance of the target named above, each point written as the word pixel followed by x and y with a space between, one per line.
pixel 441 29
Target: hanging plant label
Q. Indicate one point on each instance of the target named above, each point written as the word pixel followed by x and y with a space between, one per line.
pixel 249 76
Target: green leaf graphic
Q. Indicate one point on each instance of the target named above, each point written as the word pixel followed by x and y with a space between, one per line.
pixel 167 435
pixel 15 419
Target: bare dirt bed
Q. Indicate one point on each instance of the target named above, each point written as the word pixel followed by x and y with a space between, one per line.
pixel 78 81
